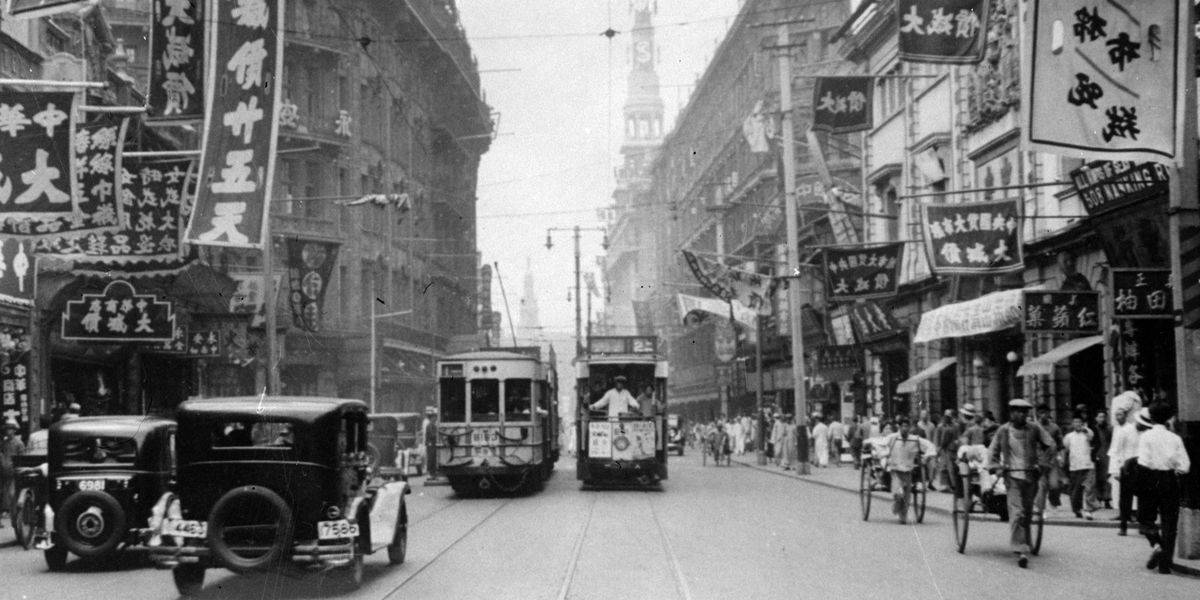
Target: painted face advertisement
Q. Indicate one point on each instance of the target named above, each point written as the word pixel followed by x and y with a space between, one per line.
pixel 36 145
pixel 942 31
pixel 842 104
pixel 238 161
pixel 976 238
pixel 310 265
pixel 176 61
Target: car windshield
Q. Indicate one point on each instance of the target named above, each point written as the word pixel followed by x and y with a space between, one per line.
pixel 100 450
pixel 251 434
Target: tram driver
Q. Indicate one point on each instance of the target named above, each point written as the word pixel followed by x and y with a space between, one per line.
pixel 618 399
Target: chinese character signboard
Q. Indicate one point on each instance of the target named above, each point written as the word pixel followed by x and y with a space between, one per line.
pixel 309 267
pixel 249 296
pixel 1142 294
pixel 36 143
pixel 1104 186
pixel 838 363
pixel 156 197
pixel 842 104
pixel 118 314
pixel 33 9
pixel 238 161
pixel 978 238
pixel 176 61
pixel 178 344
pixel 869 272
pixel 1061 312
pixel 16 271
pixel 872 322
pixel 942 31
pixel 14 373
pixel 1102 78
pixel 751 289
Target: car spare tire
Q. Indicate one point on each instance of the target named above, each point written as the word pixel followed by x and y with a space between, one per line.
pixel 91 523
pixel 250 528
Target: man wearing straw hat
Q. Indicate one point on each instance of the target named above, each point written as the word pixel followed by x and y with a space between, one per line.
pixel 1014 451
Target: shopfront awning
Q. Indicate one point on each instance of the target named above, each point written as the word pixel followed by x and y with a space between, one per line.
pixel 994 312
pixel 712 306
pixel 1044 364
pixel 909 385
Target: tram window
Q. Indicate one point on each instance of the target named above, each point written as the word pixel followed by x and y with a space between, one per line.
pixel 454 400
pixel 517 404
pixel 485 400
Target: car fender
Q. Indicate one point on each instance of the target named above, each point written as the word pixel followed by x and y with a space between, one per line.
pixel 384 511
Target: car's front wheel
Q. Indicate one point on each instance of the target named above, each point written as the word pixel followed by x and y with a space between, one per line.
pixel 399 546
pixel 91 523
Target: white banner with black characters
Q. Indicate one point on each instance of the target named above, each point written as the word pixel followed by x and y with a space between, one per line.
pixel 37 164
pixel 1102 78
pixel 238 161
pixel 976 238
pixel 176 90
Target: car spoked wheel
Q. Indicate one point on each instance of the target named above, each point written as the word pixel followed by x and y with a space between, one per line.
pixel 91 524
pixel 250 528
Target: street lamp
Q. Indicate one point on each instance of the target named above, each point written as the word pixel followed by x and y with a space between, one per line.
pixel 578 306
pixel 374 351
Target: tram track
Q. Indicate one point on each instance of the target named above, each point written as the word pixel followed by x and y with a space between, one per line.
pixel 681 585
pixel 576 551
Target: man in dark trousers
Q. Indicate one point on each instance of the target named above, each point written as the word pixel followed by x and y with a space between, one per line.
pixel 1015 451
pixel 1161 460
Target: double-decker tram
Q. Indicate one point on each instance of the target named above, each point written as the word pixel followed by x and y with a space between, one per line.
pixel 621 442
pixel 498 426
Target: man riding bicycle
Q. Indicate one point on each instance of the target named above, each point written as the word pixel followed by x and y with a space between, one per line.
pixel 906 451
pixel 1015 450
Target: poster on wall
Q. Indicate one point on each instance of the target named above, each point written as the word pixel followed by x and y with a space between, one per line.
pixel 973 239
pixel 176 90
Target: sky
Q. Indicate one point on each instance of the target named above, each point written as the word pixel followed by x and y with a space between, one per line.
pixel 560 128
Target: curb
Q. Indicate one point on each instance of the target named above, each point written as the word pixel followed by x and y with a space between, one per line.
pixel 928 508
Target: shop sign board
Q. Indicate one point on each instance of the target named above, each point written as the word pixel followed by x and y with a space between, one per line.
pixel 14 373
pixel 842 104
pixel 860 273
pixel 973 238
pixel 118 314
pixel 176 90
pixel 872 322
pixel 1061 312
pixel 942 31
pixel 37 143
pixel 1142 293
pixel 1105 186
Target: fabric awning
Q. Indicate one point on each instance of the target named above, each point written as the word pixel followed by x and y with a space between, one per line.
pixel 1044 364
pixel 909 385
pixel 994 312
pixel 689 304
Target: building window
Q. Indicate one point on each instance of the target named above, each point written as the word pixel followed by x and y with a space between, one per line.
pixel 889 93
pixel 313 208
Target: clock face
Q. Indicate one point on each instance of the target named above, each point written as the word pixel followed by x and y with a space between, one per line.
pixel 641 52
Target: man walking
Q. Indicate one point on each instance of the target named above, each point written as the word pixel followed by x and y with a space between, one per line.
pixel 837 437
pixel 1122 462
pixel 1015 450
pixel 1161 460
pixel 1100 445
pixel 820 436
pixel 1082 486
pixel 906 451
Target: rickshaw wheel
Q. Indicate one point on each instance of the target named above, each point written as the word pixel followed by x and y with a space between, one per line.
pixel 189 579
pixel 1033 531
pixel 864 490
pixel 25 518
pixel 918 500
pixel 962 519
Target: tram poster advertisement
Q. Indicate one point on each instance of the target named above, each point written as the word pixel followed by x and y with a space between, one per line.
pixel 633 440
pixel 600 440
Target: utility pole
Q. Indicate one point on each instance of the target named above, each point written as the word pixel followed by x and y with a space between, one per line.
pixel 793 242
pixel 577 232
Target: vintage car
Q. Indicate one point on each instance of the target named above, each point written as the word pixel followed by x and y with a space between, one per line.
pixel 395 445
pixel 104 475
pixel 268 482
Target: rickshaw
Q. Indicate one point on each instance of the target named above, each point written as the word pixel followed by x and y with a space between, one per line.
pixel 716 445
pixel 104 474
pixel 28 518
pixel 266 483
pixel 982 493
pixel 874 477
pixel 393 446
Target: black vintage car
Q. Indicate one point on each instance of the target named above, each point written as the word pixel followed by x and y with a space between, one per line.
pixel 104 476
pixel 268 482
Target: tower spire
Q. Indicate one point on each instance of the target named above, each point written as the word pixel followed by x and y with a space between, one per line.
pixel 643 111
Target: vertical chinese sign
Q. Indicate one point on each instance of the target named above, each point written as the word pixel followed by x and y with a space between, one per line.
pixel 14 373
pixel 842 104
pixel 942 31
pixel 1139 298
pixel 976 238
pixel 310 265
pixel 855 274
pixel 1103 81
pixel 176 62
pixel 238 161
pixel 36 143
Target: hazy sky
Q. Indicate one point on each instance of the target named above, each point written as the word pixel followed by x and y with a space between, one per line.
pixel 561 126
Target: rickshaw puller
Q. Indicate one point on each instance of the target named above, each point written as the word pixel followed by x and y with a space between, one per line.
pixel 905 452
pixel 1015 449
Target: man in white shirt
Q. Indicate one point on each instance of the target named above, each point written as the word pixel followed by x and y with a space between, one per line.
pixel 618 400
pixel 1082 487
pixel 1161 460
pixel 1120 454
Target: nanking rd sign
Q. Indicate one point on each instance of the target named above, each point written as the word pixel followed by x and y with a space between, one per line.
pixel 238 161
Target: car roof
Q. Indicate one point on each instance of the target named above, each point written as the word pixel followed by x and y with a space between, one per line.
pixel 112 426
pixel 487 355
pixel 300 407
pixel 405 415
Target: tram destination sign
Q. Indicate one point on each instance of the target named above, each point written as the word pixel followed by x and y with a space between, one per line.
pixel 622 345
pixel 118 314
pixel 1062 312
pixel 1105 186
pixel 1142 294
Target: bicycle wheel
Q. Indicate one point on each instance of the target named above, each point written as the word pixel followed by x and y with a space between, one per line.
pixel 962 519
pixel 864 490
pixel 918 499
pixel 1033 531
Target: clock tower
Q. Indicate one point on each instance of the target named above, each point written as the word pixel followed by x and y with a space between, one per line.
pixel 643 111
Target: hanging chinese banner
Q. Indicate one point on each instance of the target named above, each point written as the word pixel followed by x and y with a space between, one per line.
pixel 751 289
pixel 36 143
pixel 238 161
pixel 14 373
pixel 1061 312
pixel 309 266
pixel 859 273
pixel 1102 80
pixel 97 205
pixel 118 314
pixel 249 297
pixel 16 271
pixel 977 238
pixel 942 31
pixel 157 198
pixel 176 85
pixel 871 322
pixel 35 9
pixel 842 104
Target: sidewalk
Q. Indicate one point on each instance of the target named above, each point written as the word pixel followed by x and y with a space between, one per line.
pixel 846 478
